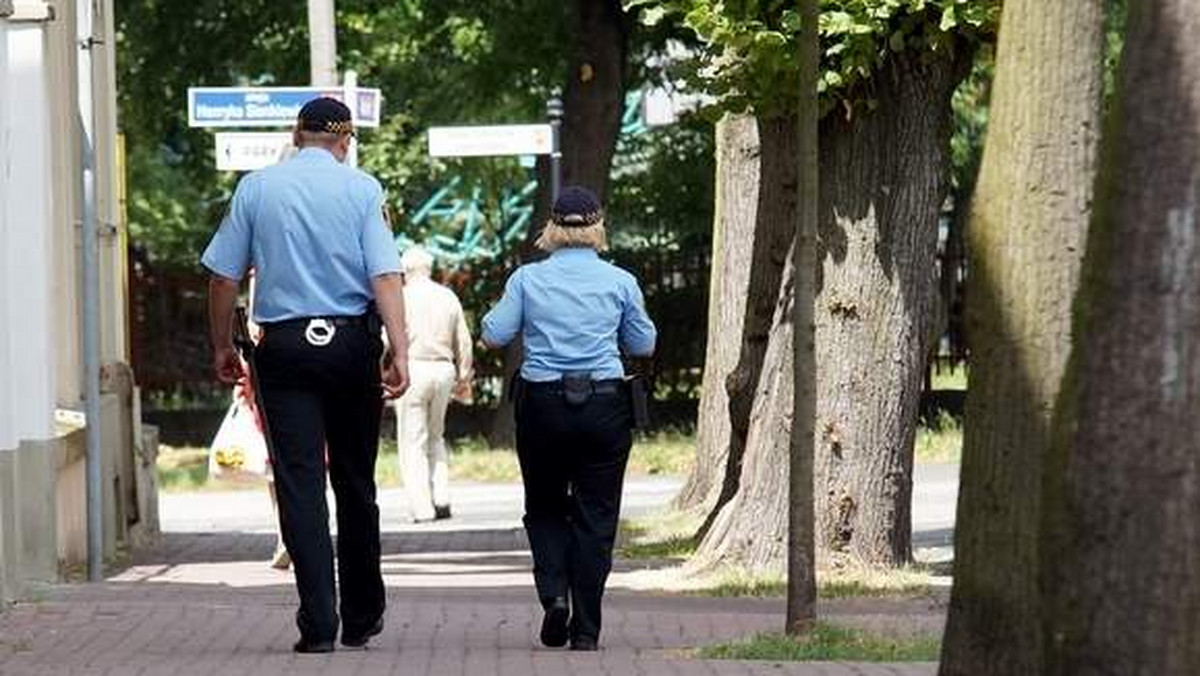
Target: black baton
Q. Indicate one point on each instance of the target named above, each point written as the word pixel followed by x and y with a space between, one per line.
pixel 244 345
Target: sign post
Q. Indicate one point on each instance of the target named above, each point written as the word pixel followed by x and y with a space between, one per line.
pixel 554 112
pixel 350 92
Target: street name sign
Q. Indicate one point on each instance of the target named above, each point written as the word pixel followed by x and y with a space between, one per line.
pixel 249 150
pixel 273 106
pixel 484 141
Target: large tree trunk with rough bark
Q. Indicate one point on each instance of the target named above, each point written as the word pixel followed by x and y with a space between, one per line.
pixel 751 528
pixel 1131 504
pixel 773 233
pixel 884 178
pixel 594 101
pixel 733 239
pixel 884 175
pixel 1029 223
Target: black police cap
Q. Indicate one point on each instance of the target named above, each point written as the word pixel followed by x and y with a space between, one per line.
pixel 326 115
pixel 576 207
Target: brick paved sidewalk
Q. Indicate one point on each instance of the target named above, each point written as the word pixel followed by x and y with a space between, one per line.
pixel 459 603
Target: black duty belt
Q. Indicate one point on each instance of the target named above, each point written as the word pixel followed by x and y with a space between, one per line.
pixel 319 331
pixel 303 322
pixel 613 386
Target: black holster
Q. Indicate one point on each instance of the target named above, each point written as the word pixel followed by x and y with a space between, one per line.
pixel 241 334
pixel 639 401
pixel 374 321
pixel 577 387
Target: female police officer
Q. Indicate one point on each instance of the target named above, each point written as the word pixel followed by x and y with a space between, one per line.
pixel 575 313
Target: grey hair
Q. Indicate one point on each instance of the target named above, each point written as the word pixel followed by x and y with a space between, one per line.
pixel 417 260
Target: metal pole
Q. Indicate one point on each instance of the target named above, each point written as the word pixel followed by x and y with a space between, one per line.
pixel 350 96
pixel 322 43
pixel 554 111
pixel 91 292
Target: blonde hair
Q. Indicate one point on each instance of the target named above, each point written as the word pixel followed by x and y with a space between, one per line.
pixel 554 237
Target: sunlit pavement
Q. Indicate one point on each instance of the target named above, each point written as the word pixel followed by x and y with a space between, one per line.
pixel 460 601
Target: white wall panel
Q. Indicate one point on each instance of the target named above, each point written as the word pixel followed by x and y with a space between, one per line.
pixel 30 306
pixel 8 432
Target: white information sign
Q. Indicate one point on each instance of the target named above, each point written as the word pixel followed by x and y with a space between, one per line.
pixel 505 139
pixel 248 151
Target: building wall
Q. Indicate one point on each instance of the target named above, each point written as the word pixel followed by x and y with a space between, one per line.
pixel 67 191
pixel 27 267
pixel 42 490
pixel 8 432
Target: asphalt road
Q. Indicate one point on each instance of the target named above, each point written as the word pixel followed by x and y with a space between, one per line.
pixel 491 506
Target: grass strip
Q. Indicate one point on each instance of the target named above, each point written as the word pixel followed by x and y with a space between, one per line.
pixel 827 643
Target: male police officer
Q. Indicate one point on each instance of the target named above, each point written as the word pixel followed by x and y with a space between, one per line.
pixel 313 230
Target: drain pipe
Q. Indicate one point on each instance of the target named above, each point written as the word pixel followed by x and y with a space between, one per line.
pixel 91 292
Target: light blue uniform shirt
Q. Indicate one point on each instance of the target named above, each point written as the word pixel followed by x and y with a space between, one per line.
pixel 574 312
pixel 314 232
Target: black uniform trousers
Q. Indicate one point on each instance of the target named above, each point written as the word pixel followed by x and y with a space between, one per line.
pixel 323 401
pixel 573 466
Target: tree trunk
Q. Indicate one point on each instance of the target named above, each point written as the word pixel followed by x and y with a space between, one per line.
pixel 594 100
pixel 884 178
pixel 1132 490
pixel 801 576
pixel 733 239
pixel 1030 213
pixel 751 529
pixel 773 232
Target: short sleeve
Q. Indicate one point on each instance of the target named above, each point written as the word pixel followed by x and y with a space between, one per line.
pixel 379 248
pixel 637 333
pixel 503 321
pixel 228 254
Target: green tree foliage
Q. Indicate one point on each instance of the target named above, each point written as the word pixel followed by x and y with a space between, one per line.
pixel 970 123
pixel 751 62
pixel 662 188
pixel 164 47
pixel 438 62
pixel 449 62
pixel 444 62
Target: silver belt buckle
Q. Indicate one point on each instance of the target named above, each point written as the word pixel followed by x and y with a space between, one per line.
pixel 319 332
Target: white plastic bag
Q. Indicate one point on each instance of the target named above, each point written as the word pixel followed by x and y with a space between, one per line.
pixel 239 451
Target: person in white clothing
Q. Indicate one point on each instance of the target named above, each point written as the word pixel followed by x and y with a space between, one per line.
pixel 439 362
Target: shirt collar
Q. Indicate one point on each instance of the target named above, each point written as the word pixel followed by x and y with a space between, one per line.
pixel 314 154
pixel 575 252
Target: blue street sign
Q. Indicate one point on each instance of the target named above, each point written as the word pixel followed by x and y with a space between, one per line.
pixel 272 106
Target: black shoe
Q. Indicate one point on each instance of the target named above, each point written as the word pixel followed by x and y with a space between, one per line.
pixel 584 643
pixel 360 640
pixel 442 512
pixel 554 624
pixel 312 647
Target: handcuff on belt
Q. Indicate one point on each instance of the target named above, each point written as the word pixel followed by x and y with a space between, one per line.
pixel 319 332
